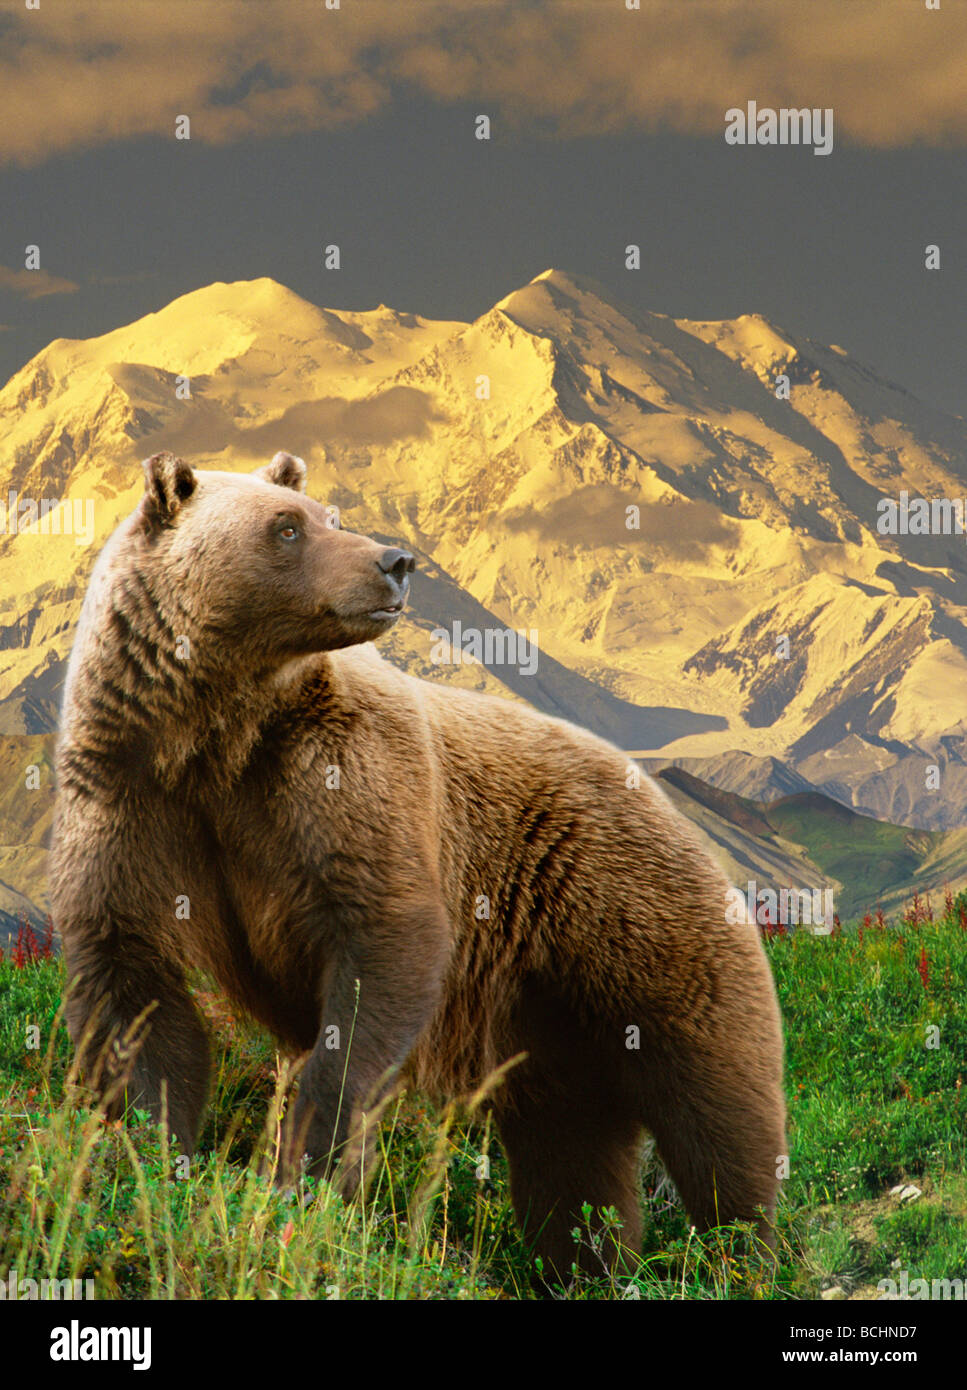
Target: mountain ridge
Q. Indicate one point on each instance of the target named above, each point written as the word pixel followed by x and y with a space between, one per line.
pixel 754 517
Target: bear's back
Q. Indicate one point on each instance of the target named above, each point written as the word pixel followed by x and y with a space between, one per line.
pixel 517 795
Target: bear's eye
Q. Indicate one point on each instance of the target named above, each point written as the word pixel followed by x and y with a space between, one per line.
pixel 288 532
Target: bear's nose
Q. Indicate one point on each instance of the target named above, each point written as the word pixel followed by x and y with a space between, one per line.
pixel 398 563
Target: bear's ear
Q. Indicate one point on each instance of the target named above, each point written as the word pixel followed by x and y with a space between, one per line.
pixel 168 482
pixel 285 470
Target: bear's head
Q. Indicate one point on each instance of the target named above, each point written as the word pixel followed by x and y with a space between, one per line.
pixel 252 562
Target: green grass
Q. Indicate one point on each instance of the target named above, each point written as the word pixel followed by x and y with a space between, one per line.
pixel 870 1105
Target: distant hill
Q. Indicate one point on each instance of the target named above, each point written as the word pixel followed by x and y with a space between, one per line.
pixel 15 910
pixel 808 840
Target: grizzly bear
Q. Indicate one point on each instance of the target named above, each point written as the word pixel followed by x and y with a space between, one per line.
pixel 406 881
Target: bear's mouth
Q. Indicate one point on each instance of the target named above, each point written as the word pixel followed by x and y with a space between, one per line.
pixel 388 614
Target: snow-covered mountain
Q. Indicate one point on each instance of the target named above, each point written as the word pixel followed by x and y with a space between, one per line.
pixel 698 556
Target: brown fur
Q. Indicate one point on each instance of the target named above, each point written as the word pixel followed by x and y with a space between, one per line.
pixel 206 776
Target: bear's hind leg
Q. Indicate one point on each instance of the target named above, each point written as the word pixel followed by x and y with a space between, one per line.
pixel 565 1151
pixel 720 1133
pixel 569 1119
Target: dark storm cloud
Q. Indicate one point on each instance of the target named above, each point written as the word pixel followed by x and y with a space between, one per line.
pixel 34 284
pixel 204 425
pixel 598 515
pixel 91 73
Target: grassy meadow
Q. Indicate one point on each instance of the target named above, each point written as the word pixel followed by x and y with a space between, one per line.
pixel 876 1037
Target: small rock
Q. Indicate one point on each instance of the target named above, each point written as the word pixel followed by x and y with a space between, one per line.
pixel 906 1192
pixel 835 1294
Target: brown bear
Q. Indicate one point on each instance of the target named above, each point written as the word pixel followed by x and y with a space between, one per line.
pixel 399 878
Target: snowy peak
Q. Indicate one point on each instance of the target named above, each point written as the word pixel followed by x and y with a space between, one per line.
pixel 750 340
pixel 199 332
pixel 556 299
pixel 626 483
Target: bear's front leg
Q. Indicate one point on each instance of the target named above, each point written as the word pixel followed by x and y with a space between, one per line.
pixel 135 1027
pixel 114 874
pixel 382 996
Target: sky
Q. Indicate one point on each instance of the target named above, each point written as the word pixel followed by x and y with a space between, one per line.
pixel 357 126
